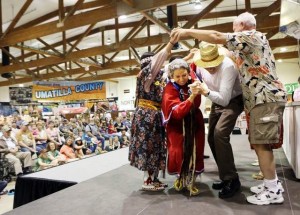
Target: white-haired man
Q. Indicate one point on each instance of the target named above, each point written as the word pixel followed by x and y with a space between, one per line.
pixel 264 96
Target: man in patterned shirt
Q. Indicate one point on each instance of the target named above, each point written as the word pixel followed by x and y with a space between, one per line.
pixel 264 96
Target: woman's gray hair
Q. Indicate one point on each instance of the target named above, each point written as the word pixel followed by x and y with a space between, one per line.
pixel 177 64
pixel 247 18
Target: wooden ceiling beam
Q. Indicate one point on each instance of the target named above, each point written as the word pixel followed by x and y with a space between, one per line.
pixel 140 25
pixel 36 51
pixel 272 32
pixel 15 60
pixel 264 26
pixel 248 6
pixel 136 29
pixel 108 66
pixel 110 76
pixel 72 11
pixel 17 17
pixel 87 31
pixel 163 26
pixel 135 42
pixel 111 11
pixel 200 15
pixel 129 2
pixel 287 41
pixel 286 55
pixel 54 14
pixel 264 14
pixel 48 46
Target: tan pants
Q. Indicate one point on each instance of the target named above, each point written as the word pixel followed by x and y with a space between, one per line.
pixel 19 158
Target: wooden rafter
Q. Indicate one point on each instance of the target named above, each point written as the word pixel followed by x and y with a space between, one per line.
pixel 135 42
pixel 111 11
pixel 108 66
pixel 129 2
pixel 17 18
pixel 135 54
pixel 79 39
pixel 138 25
pixel 204 12
pixel 54 14
pixel 72 11
pixel 133 31
pixel 286 55
pixel 163 26
pixel 48 46
pixel 248 5
pixel 15 60
pixel 264 14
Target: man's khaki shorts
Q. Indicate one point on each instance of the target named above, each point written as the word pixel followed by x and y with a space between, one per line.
pixel 266 125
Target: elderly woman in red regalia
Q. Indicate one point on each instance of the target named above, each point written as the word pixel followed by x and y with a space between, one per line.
pixel 185 127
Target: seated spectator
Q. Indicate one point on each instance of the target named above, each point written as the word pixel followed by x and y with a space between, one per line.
pixel 41 137
pixel 53 134
pixel 12 152
pixel 54 154
pixel 113 145
pixel 65 129
pixel 14 129
pixel 124 139
pixel 111 127
pixel 87 141
pixel 43 161
pixel 119 126
pixel 93 131
pixel 99 149
pixel 67 150
pixel 26 140
pixel 79 147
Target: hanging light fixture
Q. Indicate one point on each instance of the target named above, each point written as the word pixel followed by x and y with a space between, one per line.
pixel 197 4
pixel 108 41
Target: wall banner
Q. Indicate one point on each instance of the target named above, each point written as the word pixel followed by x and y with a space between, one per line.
pixel 67 91
pixel 290 88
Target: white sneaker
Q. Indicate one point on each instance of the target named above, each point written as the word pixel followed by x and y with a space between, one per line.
pixel 261 187
pixel 266 197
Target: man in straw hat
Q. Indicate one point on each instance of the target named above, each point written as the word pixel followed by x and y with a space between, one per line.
pixel 264 96
pixel 223 89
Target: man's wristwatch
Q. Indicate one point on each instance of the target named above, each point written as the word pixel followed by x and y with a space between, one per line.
pixel 207 94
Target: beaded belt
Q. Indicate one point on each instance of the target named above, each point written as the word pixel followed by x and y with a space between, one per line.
pixel 149 104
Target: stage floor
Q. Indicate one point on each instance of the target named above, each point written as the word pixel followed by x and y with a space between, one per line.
pixel 118 192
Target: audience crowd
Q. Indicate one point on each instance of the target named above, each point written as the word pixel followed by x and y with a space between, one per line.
pixel 40 144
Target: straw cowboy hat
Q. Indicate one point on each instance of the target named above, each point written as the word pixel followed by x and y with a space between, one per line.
pixel 208 56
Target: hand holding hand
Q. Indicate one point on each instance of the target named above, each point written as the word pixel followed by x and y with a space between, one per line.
pixel 178 33
pixel 203 89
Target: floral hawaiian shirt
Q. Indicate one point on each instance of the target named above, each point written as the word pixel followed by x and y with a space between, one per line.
pixel 257 68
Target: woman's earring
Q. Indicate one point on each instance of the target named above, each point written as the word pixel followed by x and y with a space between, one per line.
pixel 190 77
pixel 172 80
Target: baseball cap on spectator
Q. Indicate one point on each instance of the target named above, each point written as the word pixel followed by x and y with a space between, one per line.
pixel 6 128
pixel 25 123
pixel 78 138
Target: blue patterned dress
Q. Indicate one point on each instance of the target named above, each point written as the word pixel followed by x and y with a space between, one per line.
pixel 147 150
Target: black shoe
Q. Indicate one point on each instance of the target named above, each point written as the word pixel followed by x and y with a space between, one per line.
pixel 230 188
pixel 26 172
pixel 206 156
pixel 20 174
pixel 218 185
